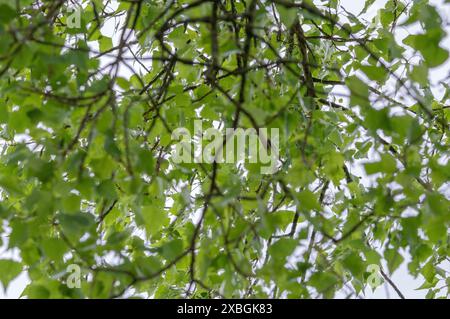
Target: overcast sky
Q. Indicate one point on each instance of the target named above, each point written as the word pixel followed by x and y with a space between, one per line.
pixel 403 280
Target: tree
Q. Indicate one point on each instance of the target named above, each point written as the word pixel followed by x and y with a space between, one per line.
pixel 91 92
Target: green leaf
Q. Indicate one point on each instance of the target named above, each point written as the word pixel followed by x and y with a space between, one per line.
pixel 54 248
pixel 7 14
pixel 375 73
pixel 308 201
pixel 354 263
pixel 428 45
pixel 287 16
pixel 9 269
pixel 281 249
pixel 76 224
pixel 394 259
pixel 367 5
pixel 105 43
pixel 323 281
pixel 359 91
pixel 387 164
pixel 155 218
pixel 172 249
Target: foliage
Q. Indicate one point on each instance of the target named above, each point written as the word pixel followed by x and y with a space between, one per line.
pixel 86 175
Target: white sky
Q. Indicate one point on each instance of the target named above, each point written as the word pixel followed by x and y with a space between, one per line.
pixel 406 283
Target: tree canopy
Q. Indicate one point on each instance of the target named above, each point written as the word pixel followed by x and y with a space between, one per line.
pixel 91 92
